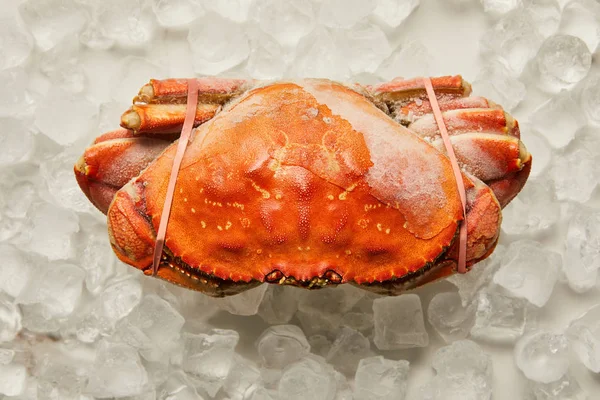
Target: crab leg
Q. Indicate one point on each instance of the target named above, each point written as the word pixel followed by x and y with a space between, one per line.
pixel 483 228
pixel 487 120
pixel 487 156
pixel 163 118
pixel 406 90
pixel 159 107
pixel 211 90
pixel 408 113
pixel 112 161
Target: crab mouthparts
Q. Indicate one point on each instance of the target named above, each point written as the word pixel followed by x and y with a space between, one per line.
pixel 175 270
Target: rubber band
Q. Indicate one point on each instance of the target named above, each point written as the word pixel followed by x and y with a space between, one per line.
pixel 186 130
pixel 437 113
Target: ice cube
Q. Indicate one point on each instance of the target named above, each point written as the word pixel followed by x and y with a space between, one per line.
pixel 545 14
pixel 478 277
pixel 21 195
pixel 174 13
pixel 97 259
pixel 463 356
pixel 13 379
pixel 394 13
pixel 15 44
pixel 245 303
pixel 36 319
pixel 378 378
pixel 334 300
pixel 65 117
pixel 318 55
pixel 590 99
pixel 566 388
pixel 278 304
pixel 349 347
pixel 117 372
pixel 529 271
pixel 343 391
pixel 558 119
pixel 10 319
pixel 235 10
pixel 110 114
pixel 562 61
pixel 514 39
pixel 322 311
pixel 575 174
pixel 212 56
pixel 534 210
pixel 62 65
pixel 457 387
pixel 263 394
pixel 14 98
pixel 208 357
pixel 286 21
pixel 409 59
pixel 15 270
pixel 581 18
pixel 584 337
pixel 464 371
pixel 112 304
pixel 56 287
pixel 64 190
pixel 319 345
pixel 243 379
pixel 499 7
pixel 53 231
pixel 499 318
pixel 451 320
pixel 537 144
pixel 399 322
pixel 267 59
pixel 345 14
pixel 281 345
pixel 582 254
pixel 177 387
pixel 62 368
pixel 359 320
pixel 308 378
pixel 133 73
pixel 94 35
pixel 153 324
pixel 6 356
pixel 52 20
pixel 16 140
pixel 495 83
pixel 365 46
pixel 542 356
pixel 129 24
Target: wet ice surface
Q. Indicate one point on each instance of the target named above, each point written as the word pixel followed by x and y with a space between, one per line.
pixel 75 323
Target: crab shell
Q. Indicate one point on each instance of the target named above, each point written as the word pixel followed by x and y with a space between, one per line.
pixel 309 183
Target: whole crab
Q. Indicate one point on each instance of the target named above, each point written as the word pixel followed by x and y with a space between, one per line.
pixel 308 183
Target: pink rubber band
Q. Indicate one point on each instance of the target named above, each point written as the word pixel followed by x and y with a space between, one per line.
pixel 188 124
pixel 437 113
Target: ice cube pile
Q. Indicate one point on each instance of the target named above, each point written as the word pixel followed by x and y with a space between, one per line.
pixel 77 324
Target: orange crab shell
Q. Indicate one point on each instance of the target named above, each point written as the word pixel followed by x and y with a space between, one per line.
pixel 299 180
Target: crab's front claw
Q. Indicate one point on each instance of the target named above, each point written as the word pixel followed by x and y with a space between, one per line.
pixel 132 236
pixel 111 162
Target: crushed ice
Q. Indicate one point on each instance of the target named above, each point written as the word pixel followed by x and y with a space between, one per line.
pixel 75 323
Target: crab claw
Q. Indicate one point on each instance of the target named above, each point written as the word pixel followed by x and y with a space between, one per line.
pixel 111 162
pixel 133 237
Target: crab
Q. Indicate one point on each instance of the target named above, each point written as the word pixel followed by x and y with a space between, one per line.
pixel 310 183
